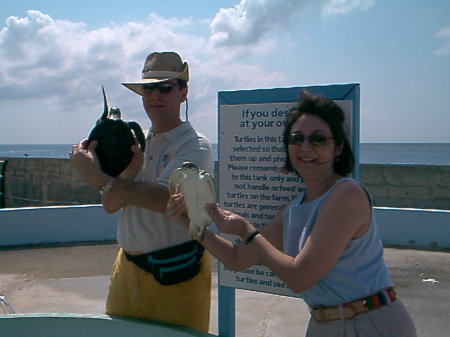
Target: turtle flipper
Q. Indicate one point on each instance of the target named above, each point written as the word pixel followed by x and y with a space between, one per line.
pixel 196 230
pixel 174 180
pixel 105 107
pixel 211 191
pixel 138 133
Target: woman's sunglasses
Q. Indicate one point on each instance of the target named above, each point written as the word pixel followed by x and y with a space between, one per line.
pixel 163 88
pixel 313 140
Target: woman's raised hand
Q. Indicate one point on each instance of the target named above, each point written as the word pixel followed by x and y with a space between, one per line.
pixel 229 222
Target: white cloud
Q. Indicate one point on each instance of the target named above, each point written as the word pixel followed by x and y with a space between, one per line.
pixel 63 60
pixel 54 59
pixel 51 67
pixel 59 66
pixel 44 58
pixel 32 54
pixel 252 20
pixel 444 35
pixel 342 7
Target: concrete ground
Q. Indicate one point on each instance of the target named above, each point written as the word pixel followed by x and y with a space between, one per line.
pixel 74 279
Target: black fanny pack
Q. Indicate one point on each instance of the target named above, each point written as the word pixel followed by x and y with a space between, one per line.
pixel 173 264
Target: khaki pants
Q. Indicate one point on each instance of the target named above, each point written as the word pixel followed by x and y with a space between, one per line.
pixel 135 293
pixel 388 321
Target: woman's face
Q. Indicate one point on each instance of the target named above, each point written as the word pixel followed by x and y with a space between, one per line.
pixel 317 150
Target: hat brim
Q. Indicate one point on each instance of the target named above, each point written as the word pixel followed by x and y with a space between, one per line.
pixel 137 86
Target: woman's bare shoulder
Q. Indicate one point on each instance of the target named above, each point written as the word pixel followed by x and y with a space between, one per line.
pixel 348 189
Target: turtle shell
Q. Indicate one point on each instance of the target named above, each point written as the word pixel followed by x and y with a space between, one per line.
pixel 115 138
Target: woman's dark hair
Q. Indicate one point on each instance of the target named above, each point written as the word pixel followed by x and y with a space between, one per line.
pixel 330 113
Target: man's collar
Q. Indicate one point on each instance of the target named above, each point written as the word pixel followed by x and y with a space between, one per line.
pixel 174 133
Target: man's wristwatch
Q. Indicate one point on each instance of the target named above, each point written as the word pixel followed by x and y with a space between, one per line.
pixel 108 186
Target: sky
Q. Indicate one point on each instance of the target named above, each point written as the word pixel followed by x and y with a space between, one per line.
pixel 55 55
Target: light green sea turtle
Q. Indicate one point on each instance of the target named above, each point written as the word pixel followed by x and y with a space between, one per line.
pixel 197 187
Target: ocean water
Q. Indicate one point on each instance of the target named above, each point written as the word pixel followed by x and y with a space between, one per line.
pixel 370 153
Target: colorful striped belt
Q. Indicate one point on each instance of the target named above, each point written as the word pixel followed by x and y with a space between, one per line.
pixel 351 309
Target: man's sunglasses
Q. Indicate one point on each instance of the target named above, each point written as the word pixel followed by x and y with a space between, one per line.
pixel 163 88
pixel 313 140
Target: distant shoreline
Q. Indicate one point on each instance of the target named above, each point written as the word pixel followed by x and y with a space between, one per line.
pixel 370 153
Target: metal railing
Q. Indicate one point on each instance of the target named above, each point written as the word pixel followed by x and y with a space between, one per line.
pixel 3 164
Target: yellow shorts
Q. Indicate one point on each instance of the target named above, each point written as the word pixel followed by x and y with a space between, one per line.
pixel 134 292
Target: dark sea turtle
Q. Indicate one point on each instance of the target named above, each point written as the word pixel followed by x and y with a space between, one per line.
pixel 115 138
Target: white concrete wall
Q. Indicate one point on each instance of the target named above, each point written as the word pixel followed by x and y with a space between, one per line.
pixel 413 228
pixel 37 225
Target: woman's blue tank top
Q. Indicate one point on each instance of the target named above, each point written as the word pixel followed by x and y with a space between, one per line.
pixel 359 272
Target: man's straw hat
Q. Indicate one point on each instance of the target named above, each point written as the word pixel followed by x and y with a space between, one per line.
pixel 160 67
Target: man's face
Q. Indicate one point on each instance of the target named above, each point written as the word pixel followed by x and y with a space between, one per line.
pixel 163 101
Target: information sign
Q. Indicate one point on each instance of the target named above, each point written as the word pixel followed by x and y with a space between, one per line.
pixel 251 157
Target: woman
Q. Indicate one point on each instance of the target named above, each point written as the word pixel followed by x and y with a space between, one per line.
pixel 325 244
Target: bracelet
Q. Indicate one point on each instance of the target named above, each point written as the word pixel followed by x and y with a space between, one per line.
pixel 108 185
pixel 251 237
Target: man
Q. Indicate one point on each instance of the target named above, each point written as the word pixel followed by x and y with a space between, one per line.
pixel 150 279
